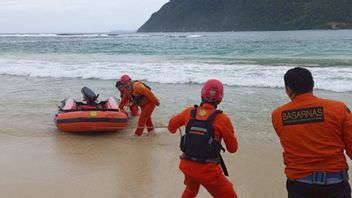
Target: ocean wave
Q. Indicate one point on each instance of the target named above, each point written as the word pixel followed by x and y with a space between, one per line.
pixel 195 36
pixel 134 35
pixel 59 35
pixel 28 35
pixel 183 35
pixel 337 79
pixel 85 35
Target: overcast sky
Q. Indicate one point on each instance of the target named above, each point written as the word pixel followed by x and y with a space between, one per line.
pixel 55 16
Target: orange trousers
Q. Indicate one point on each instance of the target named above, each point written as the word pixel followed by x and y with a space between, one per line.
pixel 210 176
pixel 134 109
pixel 145 119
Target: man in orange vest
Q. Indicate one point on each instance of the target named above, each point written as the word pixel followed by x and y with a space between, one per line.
pixel 126 99
pixel 143 97
pixel 314 134
pixel 201 145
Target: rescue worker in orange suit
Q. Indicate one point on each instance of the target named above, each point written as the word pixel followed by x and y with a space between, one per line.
pixel 143 97
pixel 201 144
pixel 314 133
pixel 126 99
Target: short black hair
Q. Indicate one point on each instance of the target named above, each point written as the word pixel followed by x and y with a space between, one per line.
pixel 118 83
pixel 299 79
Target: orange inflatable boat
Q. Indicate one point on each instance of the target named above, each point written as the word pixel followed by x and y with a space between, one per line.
pixel 87 117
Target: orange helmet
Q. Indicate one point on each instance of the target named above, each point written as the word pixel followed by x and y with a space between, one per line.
pixel 125 79
pixel 212 91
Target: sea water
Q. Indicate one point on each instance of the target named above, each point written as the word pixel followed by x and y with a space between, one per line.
pixel 245 59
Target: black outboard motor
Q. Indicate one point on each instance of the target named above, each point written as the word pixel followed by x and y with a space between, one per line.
pixel 89 96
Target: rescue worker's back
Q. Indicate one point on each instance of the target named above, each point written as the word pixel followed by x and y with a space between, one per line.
pixel 205 128
pixel 314 133
pixel 223 128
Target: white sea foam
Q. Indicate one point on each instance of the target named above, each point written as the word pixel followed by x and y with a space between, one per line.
pixel 195 36
pixel 134 35
pixel 84 35
pixel 28 35
pixel 57 35
pixel 338 79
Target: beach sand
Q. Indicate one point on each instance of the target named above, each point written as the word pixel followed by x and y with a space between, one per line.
pixel 36 160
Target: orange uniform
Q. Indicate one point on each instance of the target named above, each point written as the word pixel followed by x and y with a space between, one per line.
pixel 209 175
pixel 126 100
pixel 147 101
pixel 314 133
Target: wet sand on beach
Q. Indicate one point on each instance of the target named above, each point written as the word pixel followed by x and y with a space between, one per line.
pixel 119 165
pixel 36 160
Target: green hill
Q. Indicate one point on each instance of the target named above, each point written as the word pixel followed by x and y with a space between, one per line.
pixel 246 15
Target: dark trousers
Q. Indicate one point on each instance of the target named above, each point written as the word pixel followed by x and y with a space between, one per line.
pixel 302 190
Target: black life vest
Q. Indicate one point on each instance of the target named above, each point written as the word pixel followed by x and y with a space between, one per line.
pixel 139 98
pixel 198 143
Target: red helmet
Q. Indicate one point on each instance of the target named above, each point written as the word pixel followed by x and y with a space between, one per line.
pixel 125 78
pixel 213 91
